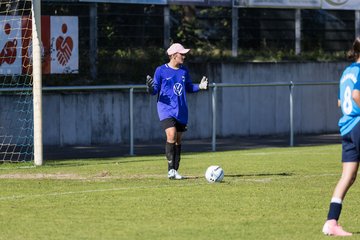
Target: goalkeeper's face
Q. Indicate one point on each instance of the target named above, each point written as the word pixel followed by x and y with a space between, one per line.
pixel 178 58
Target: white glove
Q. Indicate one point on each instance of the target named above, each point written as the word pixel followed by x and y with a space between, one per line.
pixel 204 83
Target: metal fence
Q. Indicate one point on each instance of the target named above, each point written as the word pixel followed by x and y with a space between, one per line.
pixel 214 91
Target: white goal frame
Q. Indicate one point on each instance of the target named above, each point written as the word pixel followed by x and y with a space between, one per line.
pixel 37 81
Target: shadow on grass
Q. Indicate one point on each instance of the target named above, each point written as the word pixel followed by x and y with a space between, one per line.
pixel 284 174
pixel 259 175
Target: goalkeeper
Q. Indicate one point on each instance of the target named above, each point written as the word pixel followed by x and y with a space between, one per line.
pixel 171 82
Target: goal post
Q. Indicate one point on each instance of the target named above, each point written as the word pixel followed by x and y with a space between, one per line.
pixel 20 82
pixel 37 82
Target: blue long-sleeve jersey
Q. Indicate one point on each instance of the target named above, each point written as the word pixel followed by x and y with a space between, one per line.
pixel 171 86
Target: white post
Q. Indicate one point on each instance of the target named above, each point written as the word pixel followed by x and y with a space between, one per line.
pixel 37 88
pixel 291 102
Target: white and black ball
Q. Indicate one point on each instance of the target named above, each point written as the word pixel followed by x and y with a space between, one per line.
pixel 214 174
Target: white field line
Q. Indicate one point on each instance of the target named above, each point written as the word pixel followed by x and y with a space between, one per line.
pixel 284 152
pixel 261 180
pixel 22 167
pixel 90 191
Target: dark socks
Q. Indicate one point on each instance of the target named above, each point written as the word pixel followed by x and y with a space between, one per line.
pixel 334 211
pixel 169 152
pixel 177 156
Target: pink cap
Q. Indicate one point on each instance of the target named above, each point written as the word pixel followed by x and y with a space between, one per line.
pixel 177 48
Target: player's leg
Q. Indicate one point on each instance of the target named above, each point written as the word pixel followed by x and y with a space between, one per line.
pixel 180 128
pixel 331 227
pixel 170 132
pixel 177 156
pixel 348 177
pixel 350 166
pixel 170 150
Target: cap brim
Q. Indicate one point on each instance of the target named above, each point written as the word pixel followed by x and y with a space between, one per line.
pixel 184 51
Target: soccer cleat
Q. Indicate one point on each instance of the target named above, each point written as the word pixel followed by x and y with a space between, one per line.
pixel 177 175
pixel 171 174
pixel 332 228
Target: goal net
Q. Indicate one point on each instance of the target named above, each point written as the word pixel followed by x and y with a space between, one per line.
pixel 16 81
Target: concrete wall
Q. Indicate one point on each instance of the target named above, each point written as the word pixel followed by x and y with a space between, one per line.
pixel 265 110
pixel 102 117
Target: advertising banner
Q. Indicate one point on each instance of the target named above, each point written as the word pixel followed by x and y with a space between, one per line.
pixel 285 3
pixel 59 45
pixel 128 1
pixel 10 45
pixel 163 2
pixel 64 42
pixel 188 2
pixel 341 4
pixel 325 4
pixel 225 3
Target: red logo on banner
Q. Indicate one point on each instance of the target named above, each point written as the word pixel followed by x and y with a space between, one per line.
pixel 8 52
pixel 64 47
pixel 58 49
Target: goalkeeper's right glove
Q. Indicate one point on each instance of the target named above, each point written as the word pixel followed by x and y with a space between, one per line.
pixel 149 84
pixel 204 83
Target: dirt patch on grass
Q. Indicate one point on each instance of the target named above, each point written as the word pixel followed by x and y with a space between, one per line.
pixel 71 176
pixel 41 176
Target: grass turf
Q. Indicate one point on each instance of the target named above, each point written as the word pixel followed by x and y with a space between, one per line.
pixel 271 193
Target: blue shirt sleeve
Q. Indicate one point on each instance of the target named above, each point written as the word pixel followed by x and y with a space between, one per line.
pixel 157 81
pixel 189 86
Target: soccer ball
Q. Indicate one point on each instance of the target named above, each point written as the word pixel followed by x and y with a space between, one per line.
pixel 214 174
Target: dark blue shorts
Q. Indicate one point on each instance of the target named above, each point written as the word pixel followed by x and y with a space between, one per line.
pixel 171 122
pixel 351 145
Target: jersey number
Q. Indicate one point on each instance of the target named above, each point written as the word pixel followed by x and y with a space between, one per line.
pixel 347 103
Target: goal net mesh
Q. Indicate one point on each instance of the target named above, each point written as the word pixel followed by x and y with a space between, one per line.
pixel 16 108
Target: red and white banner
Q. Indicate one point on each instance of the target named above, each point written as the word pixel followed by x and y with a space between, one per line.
pixel 60 45
pixel 64 42
pixel 10 45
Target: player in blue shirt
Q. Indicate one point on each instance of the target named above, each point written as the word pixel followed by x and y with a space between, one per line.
pixel 171 82
pixel 349 101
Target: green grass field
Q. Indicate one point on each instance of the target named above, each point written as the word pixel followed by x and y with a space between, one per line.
pixel 270 193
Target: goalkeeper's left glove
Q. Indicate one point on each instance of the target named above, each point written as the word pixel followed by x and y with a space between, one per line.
pixel 149 84
pixel 204 83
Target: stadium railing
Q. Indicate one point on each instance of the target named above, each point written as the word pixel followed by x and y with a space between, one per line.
pixel 214 86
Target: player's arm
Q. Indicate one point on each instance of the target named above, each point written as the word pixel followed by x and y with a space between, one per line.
pixel 154 84
pixel 356 96
pixel 190 87
pixel 355 93
pixel 149 84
